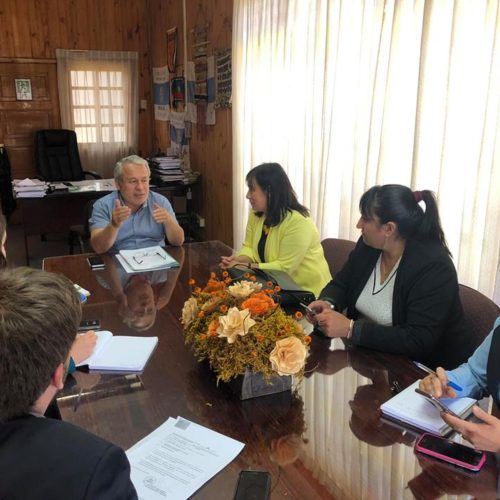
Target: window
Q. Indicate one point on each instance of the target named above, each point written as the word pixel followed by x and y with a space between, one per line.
pixel 99 101
pixel 98 106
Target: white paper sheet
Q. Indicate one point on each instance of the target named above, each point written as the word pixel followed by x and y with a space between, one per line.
pixel 177 458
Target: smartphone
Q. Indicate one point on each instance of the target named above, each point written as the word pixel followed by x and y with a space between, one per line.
pixel 449 451
pixel 96 262
pixel 308 309
pixel 439 405
pixel 253 485
pixel 89 324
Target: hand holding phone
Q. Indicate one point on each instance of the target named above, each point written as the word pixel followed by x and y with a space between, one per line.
pixel 308 310
pixel 451 452
pixel 439 405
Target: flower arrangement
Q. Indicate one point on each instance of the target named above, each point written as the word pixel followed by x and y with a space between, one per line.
pixel 235 325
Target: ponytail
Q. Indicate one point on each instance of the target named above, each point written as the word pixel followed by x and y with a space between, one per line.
pixel 430 226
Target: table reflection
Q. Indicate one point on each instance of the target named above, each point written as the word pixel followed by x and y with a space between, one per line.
pixel 140 296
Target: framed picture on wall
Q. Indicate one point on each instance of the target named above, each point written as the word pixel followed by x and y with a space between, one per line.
pixel 23 89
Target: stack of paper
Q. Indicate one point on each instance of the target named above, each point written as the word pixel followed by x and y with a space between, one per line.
pixel 29 188
pixel 414 410
pixel 167 169
pixel 146 259
pixel 120 353
pixel 177 458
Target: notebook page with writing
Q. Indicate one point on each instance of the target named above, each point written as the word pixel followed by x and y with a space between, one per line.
pixel 413 409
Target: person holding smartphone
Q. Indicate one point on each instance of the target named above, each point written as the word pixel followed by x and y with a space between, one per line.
pixel 399 287
pixel 478 377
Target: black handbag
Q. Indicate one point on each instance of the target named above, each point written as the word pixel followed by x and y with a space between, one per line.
pixel 290 293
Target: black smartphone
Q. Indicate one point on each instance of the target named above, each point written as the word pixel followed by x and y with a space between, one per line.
pixel 449 451
pixel 253 485
pixel 89 324
pixel 96 262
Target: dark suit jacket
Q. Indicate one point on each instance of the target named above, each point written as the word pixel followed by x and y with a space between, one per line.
pixel 427 315
pixel 42 458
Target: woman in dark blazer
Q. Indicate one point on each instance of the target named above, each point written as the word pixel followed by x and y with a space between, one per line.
pixel 399 287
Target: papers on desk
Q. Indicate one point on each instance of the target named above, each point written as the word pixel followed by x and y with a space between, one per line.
pixel 414 410
pixel 92 185
pixel 146 259
pixel 120 353
pixel 29 188
pixel 177 458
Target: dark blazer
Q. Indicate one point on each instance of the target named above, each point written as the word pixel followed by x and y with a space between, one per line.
pixel 493 366
pixel 427 315
pixel 42 458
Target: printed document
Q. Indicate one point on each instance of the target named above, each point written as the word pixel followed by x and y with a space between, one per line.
pixel 177 458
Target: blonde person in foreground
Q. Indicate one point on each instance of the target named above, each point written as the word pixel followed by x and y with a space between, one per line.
pixel 133 217
pixel 280 235
pixel 477 378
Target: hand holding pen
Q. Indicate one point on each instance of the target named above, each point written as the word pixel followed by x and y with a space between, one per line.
pixel 437 383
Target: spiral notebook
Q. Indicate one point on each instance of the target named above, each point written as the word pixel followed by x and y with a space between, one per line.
pixel 416 411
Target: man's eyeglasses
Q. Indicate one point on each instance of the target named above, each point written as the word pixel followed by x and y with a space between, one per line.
pixel 139 259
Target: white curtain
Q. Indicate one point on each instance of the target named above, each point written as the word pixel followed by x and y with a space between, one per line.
pixel 98 94
pixel 346 94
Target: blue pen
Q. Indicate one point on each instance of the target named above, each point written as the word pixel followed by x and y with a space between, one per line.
pixel 432 372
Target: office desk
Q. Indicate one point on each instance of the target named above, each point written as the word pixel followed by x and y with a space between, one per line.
pixel 59 210
pixel 325 441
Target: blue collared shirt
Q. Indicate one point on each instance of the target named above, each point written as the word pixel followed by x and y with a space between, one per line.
pixel 140 230
pixel 471 376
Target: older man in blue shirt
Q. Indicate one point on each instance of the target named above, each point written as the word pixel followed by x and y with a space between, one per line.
pixel 133 217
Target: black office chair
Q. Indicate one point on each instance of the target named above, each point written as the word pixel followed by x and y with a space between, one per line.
pixel 80 233
pixel 57 157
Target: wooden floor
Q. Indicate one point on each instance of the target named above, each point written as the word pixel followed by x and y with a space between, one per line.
pixel 55 244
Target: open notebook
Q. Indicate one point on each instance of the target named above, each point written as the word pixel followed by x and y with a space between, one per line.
pixel 120 353
pixel 416 411
pixel 146 259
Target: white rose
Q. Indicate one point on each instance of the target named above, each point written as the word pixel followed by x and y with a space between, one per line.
pixel 235 323
pixel 242 289
pixel 288 356
pixel 189 311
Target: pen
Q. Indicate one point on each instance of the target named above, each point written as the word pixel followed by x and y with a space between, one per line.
pixel 432 372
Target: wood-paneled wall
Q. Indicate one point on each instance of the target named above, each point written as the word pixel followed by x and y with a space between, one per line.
pixel 211 146
pixel 34 29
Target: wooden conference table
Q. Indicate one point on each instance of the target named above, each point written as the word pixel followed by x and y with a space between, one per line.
pixel 327 440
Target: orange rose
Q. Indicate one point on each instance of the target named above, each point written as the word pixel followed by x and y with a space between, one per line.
pixel 213 285
pixel 258 303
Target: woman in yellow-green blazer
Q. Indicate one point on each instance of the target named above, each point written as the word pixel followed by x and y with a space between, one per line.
pixel 280 235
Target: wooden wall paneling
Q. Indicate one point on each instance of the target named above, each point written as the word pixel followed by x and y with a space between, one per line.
pixel 64 41
pixel 20 119
pixel 38 16
pixel 6 33
pixel 211 146
pixel 20 28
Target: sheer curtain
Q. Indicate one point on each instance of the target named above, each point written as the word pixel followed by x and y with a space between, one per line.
pixel 348 94
pixel 98 94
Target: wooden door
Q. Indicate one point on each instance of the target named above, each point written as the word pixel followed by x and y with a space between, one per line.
pixel 19 119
